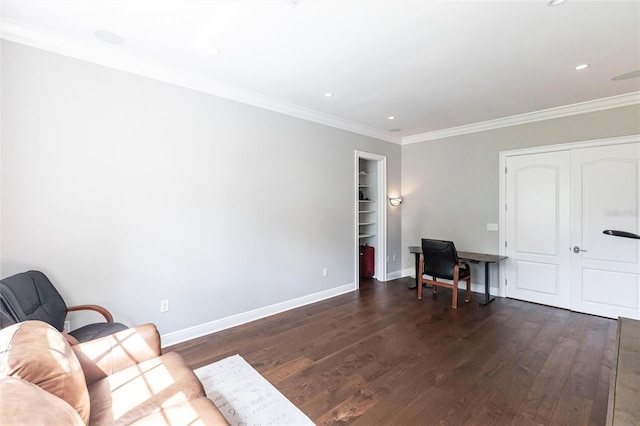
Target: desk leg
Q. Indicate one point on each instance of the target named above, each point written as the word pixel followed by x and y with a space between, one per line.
pixel 487 297
pixel 415 284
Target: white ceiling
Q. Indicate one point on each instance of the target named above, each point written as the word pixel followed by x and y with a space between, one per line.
pixel 433 65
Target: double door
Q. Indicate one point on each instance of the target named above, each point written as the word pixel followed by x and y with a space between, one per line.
pixel 557 206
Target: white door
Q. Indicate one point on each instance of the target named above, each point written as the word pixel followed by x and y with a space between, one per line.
pixel 537 227
pixel 605 270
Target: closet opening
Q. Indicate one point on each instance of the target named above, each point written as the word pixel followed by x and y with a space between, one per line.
pixel 370 216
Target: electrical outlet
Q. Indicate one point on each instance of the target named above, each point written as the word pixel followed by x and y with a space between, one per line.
pixel 164 306
pixel 492 227
pixel 325 272
pixel 67 326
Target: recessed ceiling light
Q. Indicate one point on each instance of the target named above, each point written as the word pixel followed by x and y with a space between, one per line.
pixel 214 51
pixel 328 94
pixel 555 2
pixel 108 37
pixel 391 117
pixel 395 130
pixel 581 66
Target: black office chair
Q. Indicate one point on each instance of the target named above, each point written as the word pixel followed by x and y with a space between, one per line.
pixel 31 296
pixel 440 260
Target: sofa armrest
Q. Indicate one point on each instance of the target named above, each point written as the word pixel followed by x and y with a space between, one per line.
pixel 102 357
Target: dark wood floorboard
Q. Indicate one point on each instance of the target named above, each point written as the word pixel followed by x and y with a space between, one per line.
pixel 380 356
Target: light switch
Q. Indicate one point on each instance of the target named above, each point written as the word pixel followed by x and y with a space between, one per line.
pixel 492 226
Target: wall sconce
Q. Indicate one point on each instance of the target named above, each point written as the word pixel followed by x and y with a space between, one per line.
pixel 395 201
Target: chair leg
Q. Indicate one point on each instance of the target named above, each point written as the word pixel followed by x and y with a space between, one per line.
pixel 434 288
pixel 468 299
pixel 454 296
pixel 420 279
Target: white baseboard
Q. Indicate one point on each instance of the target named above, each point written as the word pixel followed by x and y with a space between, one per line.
pixel 409 272
pixel 245 317
pixel 395 275
pixel 200 330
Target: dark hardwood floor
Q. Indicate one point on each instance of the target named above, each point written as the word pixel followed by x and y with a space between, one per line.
pixel 380 356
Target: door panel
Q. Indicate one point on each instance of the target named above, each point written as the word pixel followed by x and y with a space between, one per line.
pixel 605 195
pixel 537 277
pixel 536 210
pixel 537 268
pixel 598 294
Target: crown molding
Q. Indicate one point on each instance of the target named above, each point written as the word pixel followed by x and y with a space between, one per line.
pixel 515 120
pixel 17 32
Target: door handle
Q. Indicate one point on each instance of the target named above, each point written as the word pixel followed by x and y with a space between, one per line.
pixel 577 249
pixel 622 234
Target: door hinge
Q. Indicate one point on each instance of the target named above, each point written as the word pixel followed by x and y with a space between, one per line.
pixel 505 170
pixel 505 243
pixel 506 282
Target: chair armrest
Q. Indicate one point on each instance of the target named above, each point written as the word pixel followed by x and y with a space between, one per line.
pixel 99 309
pixel 102 357
pixel 456 269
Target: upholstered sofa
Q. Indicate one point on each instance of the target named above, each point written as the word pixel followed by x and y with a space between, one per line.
pixel 115 380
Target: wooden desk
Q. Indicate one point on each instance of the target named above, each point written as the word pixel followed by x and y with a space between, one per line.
pixel 471 258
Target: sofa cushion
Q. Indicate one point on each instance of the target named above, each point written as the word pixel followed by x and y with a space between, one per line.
pixel 102 357
pixel 197 412
pixel 23 403
pixel 142 390
pixel 36 352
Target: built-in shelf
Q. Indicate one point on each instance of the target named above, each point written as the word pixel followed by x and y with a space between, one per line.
pixel 366 189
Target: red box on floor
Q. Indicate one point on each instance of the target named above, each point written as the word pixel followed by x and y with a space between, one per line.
pixel 367 261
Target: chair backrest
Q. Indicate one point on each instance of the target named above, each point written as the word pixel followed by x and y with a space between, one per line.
pixel 31 296
pixel 5 319
pixel 439 258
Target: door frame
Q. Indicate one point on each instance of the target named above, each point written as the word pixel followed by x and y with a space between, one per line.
pixel 502 173
pixel 381 220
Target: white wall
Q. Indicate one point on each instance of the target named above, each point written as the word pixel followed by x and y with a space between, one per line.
pixel 126 191
pixel 450 186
